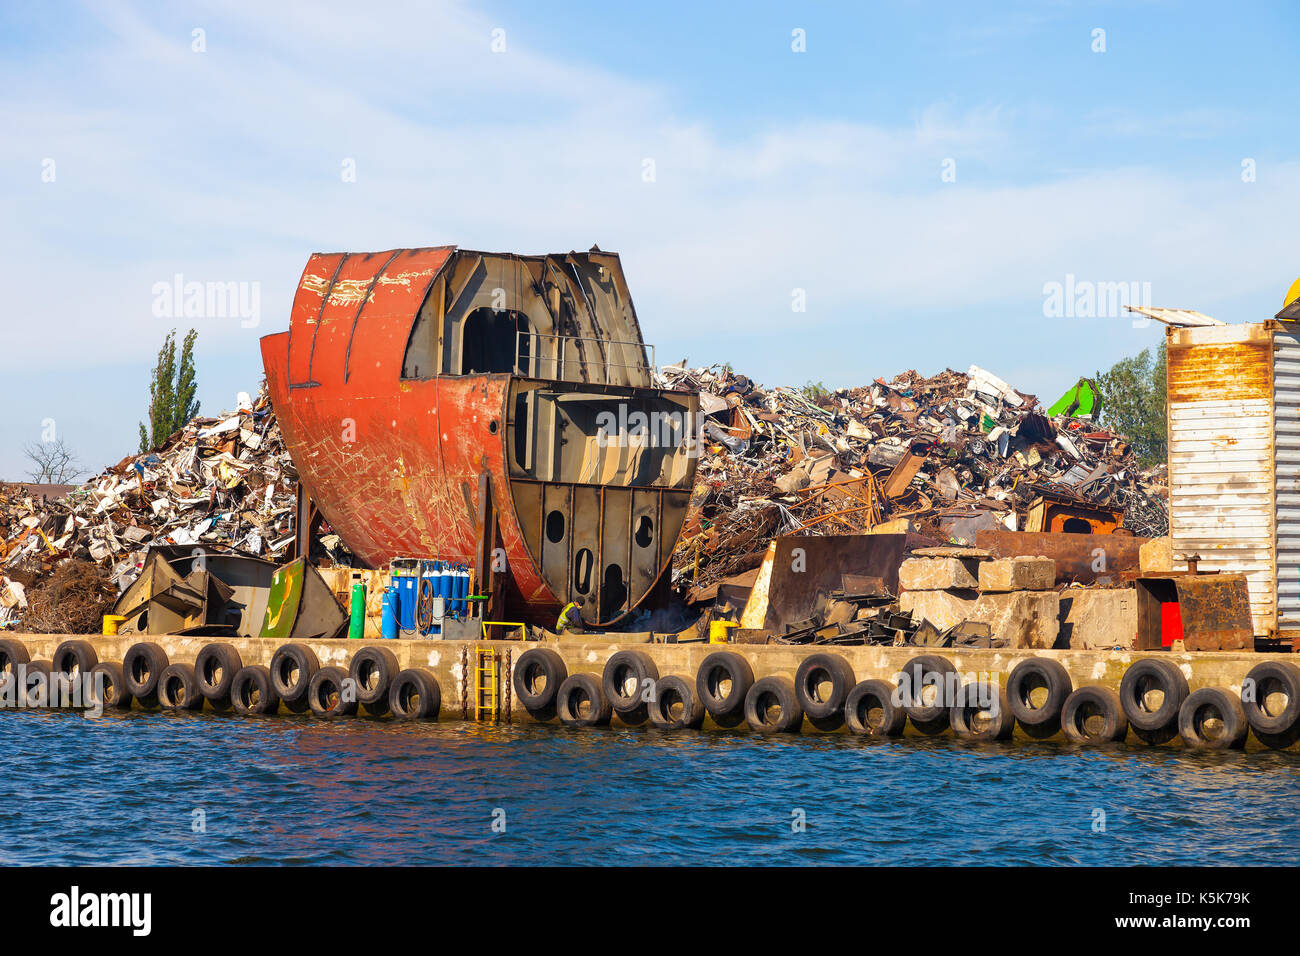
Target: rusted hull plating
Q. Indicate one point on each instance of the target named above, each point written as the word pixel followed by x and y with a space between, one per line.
pixel 394 463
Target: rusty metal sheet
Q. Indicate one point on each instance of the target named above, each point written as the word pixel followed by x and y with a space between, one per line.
pixel 794 586
pixel 1081 558
pixel 1215 611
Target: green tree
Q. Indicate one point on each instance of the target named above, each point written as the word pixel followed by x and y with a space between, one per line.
pixel 171 393
pixel 1133 403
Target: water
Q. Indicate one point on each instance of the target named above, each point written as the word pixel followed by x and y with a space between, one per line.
pixel 288 790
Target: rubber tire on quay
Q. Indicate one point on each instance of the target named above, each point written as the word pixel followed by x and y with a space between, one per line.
pixel 1001 723
pixel 423 686
pixel 1032 673
pixel 255 678
pixel 30 698
pixel 142 665
pixel 75 653
pixel 304 660
pixel 318 693
pixel 214 658
pixel 727 710
pixel 116 696
pixel 534 663
pixel 627 665
pixel 1228 707
pixel 1168 678
pixel 871 695
pixel 915 672
pixel 781 691
pixel 178 688
pixel 575 689
pixel 933 728
pixel 378 666
pixel 814 670
pixel 669 690
pixel 1260 676
pixel 12 653
pixel 1074 719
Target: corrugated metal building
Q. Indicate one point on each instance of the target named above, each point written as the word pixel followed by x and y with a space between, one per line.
pixel 1234 459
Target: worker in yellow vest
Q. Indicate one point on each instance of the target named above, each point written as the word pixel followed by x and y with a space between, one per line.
pixel 570 619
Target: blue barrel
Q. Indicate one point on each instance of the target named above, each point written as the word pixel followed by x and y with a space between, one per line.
pixel 406 597
pixel 390 612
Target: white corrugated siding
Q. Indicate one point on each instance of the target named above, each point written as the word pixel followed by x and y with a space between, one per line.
pixel 1221 457
pixel 1286 456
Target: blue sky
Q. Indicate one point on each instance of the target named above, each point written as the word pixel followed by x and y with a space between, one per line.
pixel 774 170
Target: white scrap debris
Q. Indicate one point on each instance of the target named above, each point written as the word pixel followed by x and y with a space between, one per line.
pixel 984 382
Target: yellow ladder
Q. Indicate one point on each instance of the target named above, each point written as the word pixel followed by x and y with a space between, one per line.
pixel 485 683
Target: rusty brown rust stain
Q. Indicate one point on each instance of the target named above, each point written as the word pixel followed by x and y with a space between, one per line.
pixel 1206 373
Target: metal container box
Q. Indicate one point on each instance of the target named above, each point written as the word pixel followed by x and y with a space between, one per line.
pixel 1234 461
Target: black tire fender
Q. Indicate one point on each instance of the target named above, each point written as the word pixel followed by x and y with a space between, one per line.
pixel 1144 676
pixel 915 676
pixel 108 676
pixel 12 653
pixel 292 668
pixel 822 683
pixel 1038 674
pixel 1093 714
pixel 415 695
pixel 1212 707
pixel 215 667
pixel 723 682
pixel 1264 681
pixel 142 666
pixel 624 670
pixel 374 668
pixel 38 685
pixel 253 692
pixel 178 688
pixel 579 690
pixel 672 692
pixel 327 693
pixel 873 709
pixel 539 672
pixel 74 656
pixel 772 706
pixel 982 712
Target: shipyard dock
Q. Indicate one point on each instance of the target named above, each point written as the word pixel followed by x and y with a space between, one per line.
pixel 785 689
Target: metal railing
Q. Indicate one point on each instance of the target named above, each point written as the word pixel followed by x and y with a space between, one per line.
pixel 530 363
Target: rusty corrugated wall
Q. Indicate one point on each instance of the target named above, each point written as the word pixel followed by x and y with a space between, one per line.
pixel 1221 464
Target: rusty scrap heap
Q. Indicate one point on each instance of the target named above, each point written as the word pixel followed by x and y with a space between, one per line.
pixel 954 453
pixel 221 483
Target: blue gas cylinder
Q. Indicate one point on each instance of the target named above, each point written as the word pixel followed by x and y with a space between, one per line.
pixel 406 598
pixel 390 602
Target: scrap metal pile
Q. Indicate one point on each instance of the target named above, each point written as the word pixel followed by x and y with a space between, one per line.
pixel 952 453
pixel 218 483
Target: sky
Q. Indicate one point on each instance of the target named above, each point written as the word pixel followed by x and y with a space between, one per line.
pixel 825 192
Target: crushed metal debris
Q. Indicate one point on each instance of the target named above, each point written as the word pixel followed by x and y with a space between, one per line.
pixel 219 483
pixel 945 456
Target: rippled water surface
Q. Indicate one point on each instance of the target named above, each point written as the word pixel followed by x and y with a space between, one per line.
pixel 123 789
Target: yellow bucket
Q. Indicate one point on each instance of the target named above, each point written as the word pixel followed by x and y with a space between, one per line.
pixel 111 621
pixel 718 631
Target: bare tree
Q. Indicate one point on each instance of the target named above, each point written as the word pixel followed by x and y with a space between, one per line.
pixel 54 462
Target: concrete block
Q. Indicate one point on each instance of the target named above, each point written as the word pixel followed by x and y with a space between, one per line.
pixel 1017 574
pixel 1101 618
pixel 937 574
pixel 943 609
pixel 1021 618
pixel 1156 555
